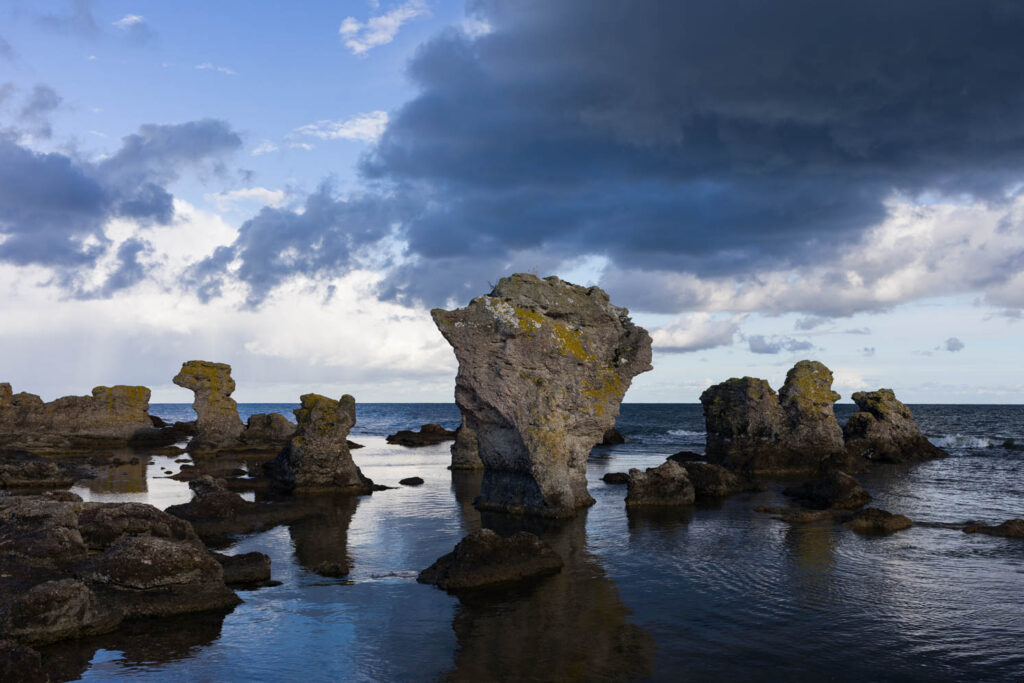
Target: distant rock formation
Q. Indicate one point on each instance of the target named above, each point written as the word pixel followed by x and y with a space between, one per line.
pixel 485 559
pixel 465 453
pixel 217 425
pixel 666 484
pixel 884 430
pixel 543 367
pixel 612 437
pixel 111 417
pixel 428 435
pixel 267 431
pixel 751 428
pixel 317 457
pixel 71 569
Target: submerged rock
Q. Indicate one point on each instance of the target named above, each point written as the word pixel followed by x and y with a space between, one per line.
pixel 217 425
pixel 873 521
pixel 484 559
pixel 884 430
pixel 667 484
pixel 428 435
pixel 834 490
pixel 317 457
pixel 751 428
pixel 111 417
pixel 543 367
pixel 1011 528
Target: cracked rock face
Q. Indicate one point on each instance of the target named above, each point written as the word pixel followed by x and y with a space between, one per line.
pixel 751 428
pixel 217 425
pixel 543 367
pixel 884 430
pixel 317 457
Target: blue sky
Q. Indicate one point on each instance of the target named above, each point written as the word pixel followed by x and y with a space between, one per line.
pixel 290 187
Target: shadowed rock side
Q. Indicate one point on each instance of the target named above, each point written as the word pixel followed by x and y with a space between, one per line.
pixel 317 457
pixel 884 430
pixel 835 490
pixel 543 367
pixel 666 484
pixel 111 417
pixel 428 435
pixel 751 428
pixel 69 569
pixel 485 559
pixel 465 454
pixel 217 425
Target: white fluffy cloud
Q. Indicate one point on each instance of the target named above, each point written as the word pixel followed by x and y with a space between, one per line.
pixel 362 36
pixel 695 332
pixel 364 127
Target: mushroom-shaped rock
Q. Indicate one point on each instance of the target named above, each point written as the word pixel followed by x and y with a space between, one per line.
pixel 666 484
pixel 543 367
pixel 834 490
pixel 317 457
pixel 751 428
pixel 884 430
pixel 217 424
pixel 485 559
pixel 873 521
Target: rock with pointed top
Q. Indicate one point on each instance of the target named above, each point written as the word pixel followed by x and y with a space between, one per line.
pixel 884 430
pixel 317 457
pixel 465 454
pixel 543 367
pixel 217 425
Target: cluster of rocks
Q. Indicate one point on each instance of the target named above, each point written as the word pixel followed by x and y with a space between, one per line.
pixel 428 435
pixel 543 367
pixel 751 428
pixel 70 569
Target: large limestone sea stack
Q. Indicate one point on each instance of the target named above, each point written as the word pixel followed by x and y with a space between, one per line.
pixel 543 367
pixel 218 425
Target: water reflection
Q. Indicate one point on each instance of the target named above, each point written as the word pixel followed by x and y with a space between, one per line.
pixel 570 626
pixel 320 536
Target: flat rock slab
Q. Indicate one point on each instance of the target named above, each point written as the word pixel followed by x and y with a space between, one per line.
pixel 484 559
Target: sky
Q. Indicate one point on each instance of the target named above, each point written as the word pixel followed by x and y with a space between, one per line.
pixel 290 187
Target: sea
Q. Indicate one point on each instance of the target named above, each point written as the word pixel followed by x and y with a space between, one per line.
pixel 707 593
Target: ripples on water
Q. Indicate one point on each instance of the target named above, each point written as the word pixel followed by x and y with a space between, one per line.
pixel 709 593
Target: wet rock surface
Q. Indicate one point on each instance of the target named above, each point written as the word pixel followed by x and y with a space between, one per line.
pixel 217 424
pixel 110 417
pixel 836 490
pixel 485 559
pixel 1011 528
pixel 411 481
pixel 69 569
pixel 244 569
pixel 713 481
pixel 317 457
pixel 667 484
pixel 750 427
pixel 21 469
pixel 873 521
pixel 884 430
pixel 428 435
pixel 543 367
pixel 616 478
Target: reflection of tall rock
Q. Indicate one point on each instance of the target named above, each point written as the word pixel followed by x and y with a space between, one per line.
pixel 217 424
pixel 466 487
pixel 317 457
pixel 570 626
pixel 321 536
pixel 109 418
pixel 127 478
pixel 543 366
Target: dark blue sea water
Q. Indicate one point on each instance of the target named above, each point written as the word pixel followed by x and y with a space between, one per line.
pixel 715 593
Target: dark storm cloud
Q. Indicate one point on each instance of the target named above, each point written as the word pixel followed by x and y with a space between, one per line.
pixel 35 113
pixel 53 206
pixel 76 18
pixel 710 138
pixel 7 53
pixel 758 343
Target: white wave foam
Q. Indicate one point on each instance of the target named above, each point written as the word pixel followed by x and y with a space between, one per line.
pixel 684 432
pixel 962 441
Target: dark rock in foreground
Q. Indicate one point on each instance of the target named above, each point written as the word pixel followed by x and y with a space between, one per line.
pixel 483 559
pixel 217 513
pixel 411 481
pixel 612 437
pixel 317 457
pixel 751 428
pixel 873 521
pixel 884 430
pixel 836 490
pixel 713 481
pixel 615 478
pixel 667 484
pixel 543 367
pixel 428 435
pixel 20 664
pixel 1011 528
pixel 245 569
pixel 21 469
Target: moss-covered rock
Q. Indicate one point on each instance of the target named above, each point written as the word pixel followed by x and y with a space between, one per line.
pixel 884 430
pixel 217 424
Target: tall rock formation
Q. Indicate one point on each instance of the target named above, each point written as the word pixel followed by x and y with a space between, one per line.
pixel 317 458
pixel 217 425
pixel 543 366
pixel 109 418
pixel 884 430
pixel 751 428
